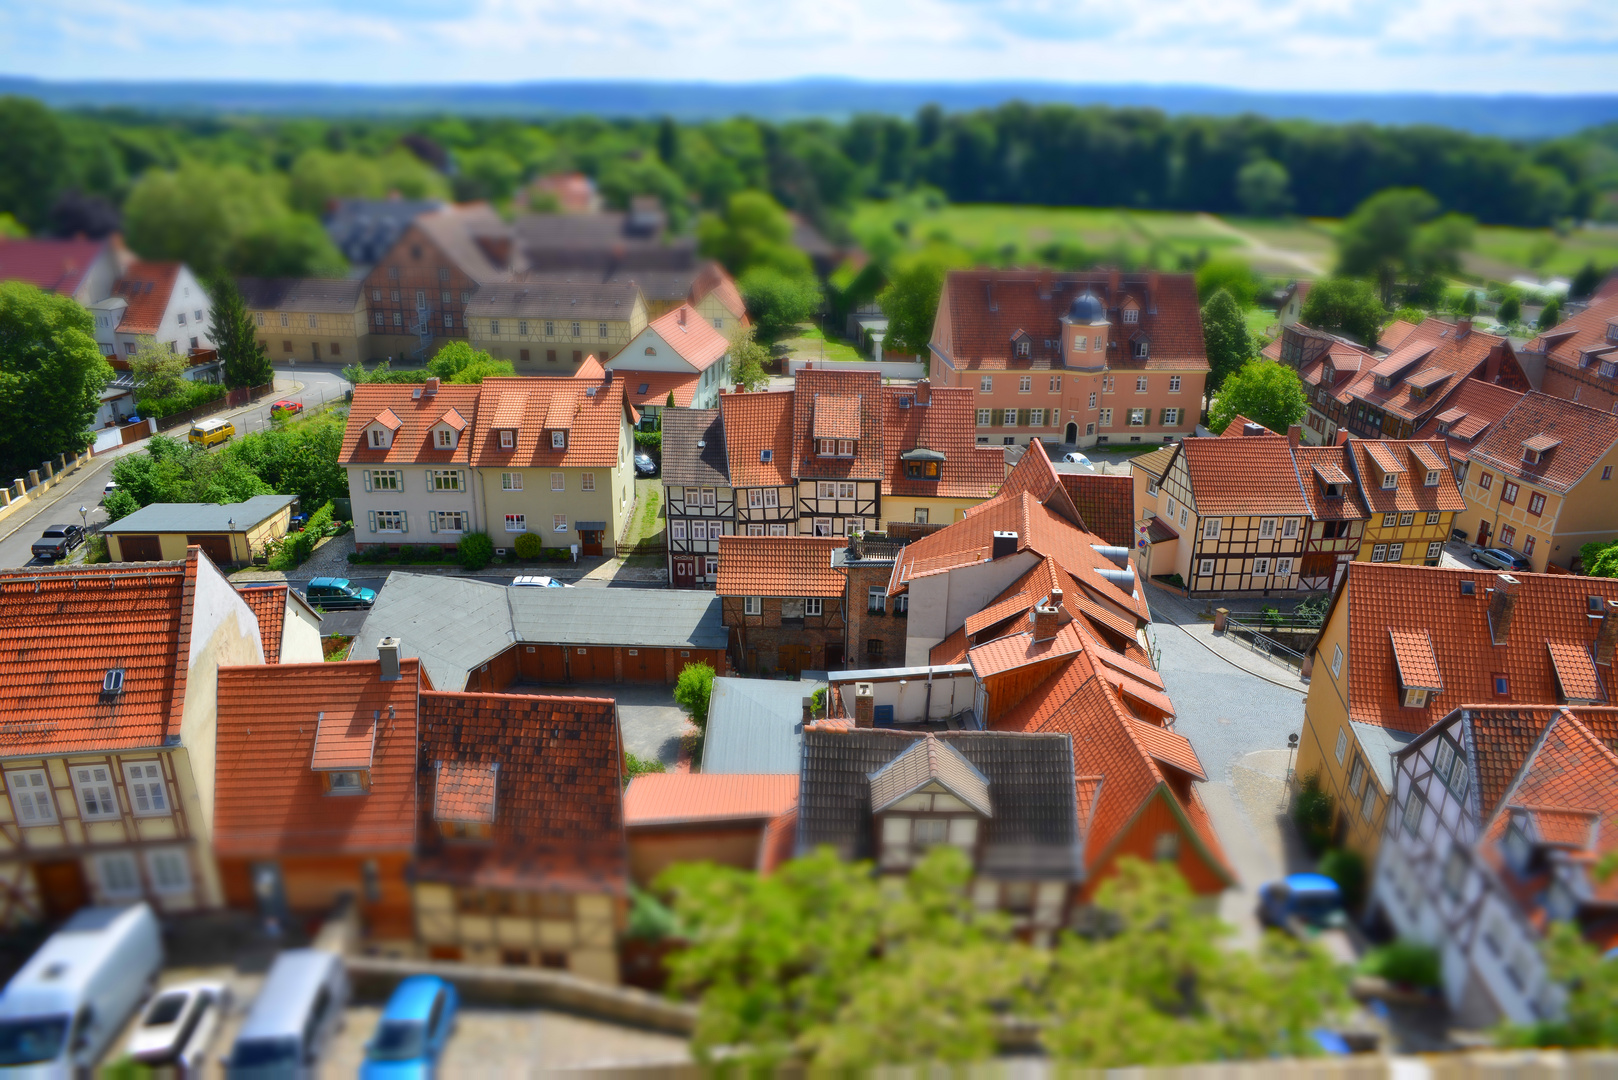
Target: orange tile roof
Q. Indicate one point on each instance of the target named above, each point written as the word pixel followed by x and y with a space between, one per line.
pixel 1384 596
pixel 1106 502
pixel 1586 435
pixel 1433 354
pixel 679 798
pixel 946 423
pixel 1322 465
pixel 594 423
pixel 836 416
pixel 269 800
pixel 63 629
pixel 712 280
pixel 1252 474
pixel 1399 458
pixel 343 742
pixel 691 336
pixel 147 286
pixel 813 385
pixel 654 387
pixel 1565 344
pixel 779 566
pixel 558 820
pixel 1576 671
pixel 1418 666
pixel 757 425
pixel 269 605
pixel 1020 649
pixel 411 414
pixel 466 791
pixel 1167 748
pixel 56 266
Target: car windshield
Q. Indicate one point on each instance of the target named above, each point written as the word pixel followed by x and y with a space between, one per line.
pixel 398 1040
pixel 266 1054
pixel 166 1009
pixel 30 1040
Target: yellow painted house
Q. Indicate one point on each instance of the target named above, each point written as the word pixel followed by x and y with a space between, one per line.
pixel 321 320
pixel 549 327
pixel 1412 496
pixel 935 471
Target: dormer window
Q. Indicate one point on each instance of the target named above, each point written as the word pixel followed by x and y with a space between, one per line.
pixel 380 437
pixel 1131 316
pixel 1024 347
pixel 343 752
pixel 1334 491
pixel 836 448
pixel 445 439
pixel 928 795
pixel 464 799
pixel 922 470
pixel 1432 478
pixel 508 439
pixel 1142 347
pixel 348 781
pixel 558 440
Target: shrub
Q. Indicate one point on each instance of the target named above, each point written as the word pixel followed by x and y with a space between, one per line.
pixel 1405 963
pixel 475 551
pixel 1347 868
pixel 649 440
pixel 555 554
pixel 407 555
pixel 692 690
pixel 430 553
pixel 1311 809
pixel 637 765
pixel 529 546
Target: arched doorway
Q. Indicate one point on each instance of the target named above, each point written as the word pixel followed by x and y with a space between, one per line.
pixel 1072 433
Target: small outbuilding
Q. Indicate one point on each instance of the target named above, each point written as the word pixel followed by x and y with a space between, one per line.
pixel 228 534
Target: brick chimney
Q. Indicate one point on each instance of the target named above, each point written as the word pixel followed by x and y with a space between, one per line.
pixel 924 392
pixel 864 705
pixel 1295 434
pixel 1048 617
pixel 1502 605
pixel 430 387
pixel 1463 327
pixel 1607 634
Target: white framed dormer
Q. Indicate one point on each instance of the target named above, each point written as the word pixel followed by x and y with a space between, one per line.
pixel 447 431
pixel 559 439
pixel 380 431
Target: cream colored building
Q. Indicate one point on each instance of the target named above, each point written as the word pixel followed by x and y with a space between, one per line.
pixel 230 534
pixel 549 327
pixel 321 320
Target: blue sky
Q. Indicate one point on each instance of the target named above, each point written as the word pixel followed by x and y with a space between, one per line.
pixel 1549 46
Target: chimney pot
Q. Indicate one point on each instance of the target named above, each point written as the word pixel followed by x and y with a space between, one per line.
pixel 864 705
pixel 1047 620
pixel 1251 428
pixel 1502 606
pixel 387 651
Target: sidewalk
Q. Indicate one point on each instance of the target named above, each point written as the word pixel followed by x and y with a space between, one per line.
pixel 1171 609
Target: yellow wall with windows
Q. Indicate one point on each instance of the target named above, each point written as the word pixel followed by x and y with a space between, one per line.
pixel 1416 537
pixel 1589 511
pixel 297 340
pixel 939 511
pixel 509 342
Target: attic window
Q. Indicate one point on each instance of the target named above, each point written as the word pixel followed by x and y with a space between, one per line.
pixel 113 683
pixel 1023 348
pixel 650 351
pixel 1142 346
pixel 508 439
pixel 1334 491
pixel 1469 588
pixel 1595 604
pixel 558 440
pixel 905 400
pixel 464 799
pixel 766 456
pixel 643 388
pixel 1390 481
pixel 1131 316
pixel 347 781
pixel 379 437
pixel 1432 478
pixel 446 439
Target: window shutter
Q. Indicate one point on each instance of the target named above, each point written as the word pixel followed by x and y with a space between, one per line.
pixel 404 521
pixel 371 516
pixel 429 473
pixel 995 416
pixel 1022 417
pixel 1146 418
pixel 432 522
pixel 367 479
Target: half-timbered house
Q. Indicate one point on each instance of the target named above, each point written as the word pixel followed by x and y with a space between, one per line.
pixel 783 602
pixel 1337 516
pixel 837 457
pixel 1411 495
pixel 758 452
pixel 700 504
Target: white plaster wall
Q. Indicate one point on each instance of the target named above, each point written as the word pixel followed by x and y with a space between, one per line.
pixel 300 635
pixel 940 603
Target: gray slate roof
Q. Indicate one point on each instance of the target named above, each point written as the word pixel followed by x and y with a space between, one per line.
pixel 588 300
pixel 663 286
pixel 755 725
pixel 1034 832
pixel 926 761
pixel 456 624
pixel 340 295
pixel 364 229
pixel 201 517
pixel 684 462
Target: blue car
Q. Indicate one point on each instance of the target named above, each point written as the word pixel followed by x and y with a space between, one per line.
pixel 413 1030
pixel 1313 899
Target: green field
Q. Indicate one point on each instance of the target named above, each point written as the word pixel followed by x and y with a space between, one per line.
pixel 1504 253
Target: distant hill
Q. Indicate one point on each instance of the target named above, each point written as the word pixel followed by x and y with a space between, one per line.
pixel 1521 116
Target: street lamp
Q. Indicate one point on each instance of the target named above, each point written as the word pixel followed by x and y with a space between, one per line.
pixel 84 516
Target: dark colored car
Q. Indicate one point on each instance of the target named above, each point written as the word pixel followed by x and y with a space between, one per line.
pixel 336 594
pixel 1501 559
pixel 644 465
pixel 56 541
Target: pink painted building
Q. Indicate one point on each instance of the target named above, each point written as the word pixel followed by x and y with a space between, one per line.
pixel 1090 358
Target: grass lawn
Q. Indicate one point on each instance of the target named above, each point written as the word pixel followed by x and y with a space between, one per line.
pixel 648 521
pixel 1259 319
pixel 810 344
pixel 1503 253
pixel 1306 236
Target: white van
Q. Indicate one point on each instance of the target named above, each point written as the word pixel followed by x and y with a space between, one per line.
pixel 59 1013
pixel 294 1017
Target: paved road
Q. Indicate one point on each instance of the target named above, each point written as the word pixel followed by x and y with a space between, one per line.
pixel 62 503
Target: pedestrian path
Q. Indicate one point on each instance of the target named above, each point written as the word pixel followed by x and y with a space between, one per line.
pixel 1172 613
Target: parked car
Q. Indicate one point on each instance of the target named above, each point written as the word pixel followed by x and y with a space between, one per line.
pixel 1311 899
pixel 539 581
pixel 293 1018
pixel 1501 559
pixel 211 432
pixel 336 594
pixel 1076 458
pixel 286 407
pixel 644 465
pixel 178 1025
pixel 57 540
pixel 112 486
pixel 69 1001
pixel 415 1025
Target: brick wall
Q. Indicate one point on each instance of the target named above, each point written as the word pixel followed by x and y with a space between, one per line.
pixel 865 626
pixel 766 642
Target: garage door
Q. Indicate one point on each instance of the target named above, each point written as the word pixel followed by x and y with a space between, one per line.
pixel 644 665
pixel 542 663
pixel 591 663
pixel 215 547
pixel 137 547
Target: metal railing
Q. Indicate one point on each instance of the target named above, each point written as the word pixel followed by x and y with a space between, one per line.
pixel 1254 637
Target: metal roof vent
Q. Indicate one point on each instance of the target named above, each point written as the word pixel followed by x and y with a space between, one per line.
pixel 112 684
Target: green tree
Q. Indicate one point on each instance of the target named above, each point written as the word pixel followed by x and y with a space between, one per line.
pixel 1599 558
pixel 1345 306
pixel 486 173
pixel 1551 315
pixel 242 354
pixel 174 471
pixel 11 228
pixel 298 457
pixel 1397 235
pixel 156 369
pixel 287 245
pixel 776 301
pixel 1264 391
pixel 1232 274
pixel 1590 1007
pixel 910 300
pixel 753 231
pixel 454 357
pixel 1262 188
pixel 692 690
pixel 1586 281
pixel 1510 308
pixel 747 360
pixel 51 376
pixel 1225 337
pixel 624 178
pixel 35 161
pixel 1469 302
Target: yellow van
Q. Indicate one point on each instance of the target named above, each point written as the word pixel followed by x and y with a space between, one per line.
pixel 212 432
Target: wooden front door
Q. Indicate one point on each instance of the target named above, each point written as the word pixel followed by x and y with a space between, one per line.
pixel 590 541
pixel 1483 534
pixel 591 663
pixel 685 572
pixel 214 546
pixel 794 658
pixel 644 665
pixel 61 887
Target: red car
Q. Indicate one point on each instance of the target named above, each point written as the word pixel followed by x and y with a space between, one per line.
pixel 286 408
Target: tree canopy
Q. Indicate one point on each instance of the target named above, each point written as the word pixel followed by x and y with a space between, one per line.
pixel 1225 337
pixel 910 300
pixel 1345 306
pixel 242 355
pixel 777 301
pixel 1398 238
pixel 1263 391
pixel 51 377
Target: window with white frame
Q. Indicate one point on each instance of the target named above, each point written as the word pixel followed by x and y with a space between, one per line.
pixel 559 523
pixel 447 480
pixel 778 529
pixel 1283 567
pixel 1390 481
pixel 1336 660
pixel 1389 520
pixel 587 481
pixel 148 795
pixel 1432 517
pixel 1407 519
pixel 390 520
pixel 712 565
pixel 814 605
pixel 1009 418
pixel 845 489
pixel 1205 568
pixel 772 499
pixel 1092 400
pixel 1025 383
pixel 985 383
pixel 1396 552
pixel 508 439
pixel 1289 529
pixel 1435 549
pixel 876 599
pixel 1140 384
pixel 823 526
pixel 755 498
pixel 1261 567
pixel 511 481
pixel 1137 417
pixel 753 605
pixel 1131 315
pixel 450 521
pixel 1056 383
pixel 1266 528
pixel 826 489
pixel 1412 812
pixel 31 797
pixel 1210 528
pixel 386 480
pixel 755 530
pixel 446 439
pixel 169 870
pixel 516 523
pixel 708 497
pixel 558 440
pixel 118 875
pixel 1171 417
pixel 1036 417
pixel 1368 802
pixel 676 530
pixel 1379 553
pixel 1106 418
pixel 558 481
pixel 983 418
pixel 699 530
pixel 1174 384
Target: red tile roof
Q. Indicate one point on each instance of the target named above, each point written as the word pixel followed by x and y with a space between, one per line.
pixel 692 337
pixel 147 287
pixel 1106 502
pixel 415 413
pixel 1433 356
pixel 56 266
pixel 712 279
pixel 654 387
pixel 813 385
pixel 1565 344
pixel 1586 436
pixel 466 791
pixel 1167 748
pixel 1254 474
pixel 756 425
pixel 269 800
pixel 1400 459
pixel 594 423
pixel 558 818
pixel 681 798
pixel 946 423
pixel 986 308
pixel 64 629
pixel 836 417
pixel 1413 654
pixel 269 604
pixel 1576 671
pixel 343 742
pixel 1019 650
pixel 1414 599
pixel 1322 465
pixel 779 566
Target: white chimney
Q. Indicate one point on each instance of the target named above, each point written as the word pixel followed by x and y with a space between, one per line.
pixel 387 650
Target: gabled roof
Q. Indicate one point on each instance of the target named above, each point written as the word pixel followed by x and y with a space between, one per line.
pixel 758 438
pixel 1416 599
pixel 1252 474
pixel 1322 465
pixel 339 295
pixel 836 388
pixel 946 423
pixel 654 387
pixel 591 301
pixel 455 230
pixel 56 266
pixel 147 287
pixel 268 797
pixel 1567 340
pixel 711 280
pixel 686 462
pixel 692 337
pixel 1424 359
pixel 1409 461
pixel 1106 502
pixel 654 799
pixel 927 762
pixel 415 413
pixel 269 604
pixel 779 566
pixel 593 418
pixel 1586 436
pixel 558 820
